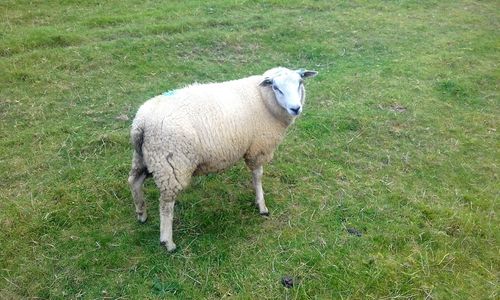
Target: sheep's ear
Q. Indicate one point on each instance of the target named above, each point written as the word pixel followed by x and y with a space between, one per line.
pixel 306 73
pixel 266 82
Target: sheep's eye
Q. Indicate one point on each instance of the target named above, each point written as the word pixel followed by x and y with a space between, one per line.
pixel 277 89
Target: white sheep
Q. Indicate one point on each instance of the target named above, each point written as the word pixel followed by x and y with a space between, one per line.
pixel 206 128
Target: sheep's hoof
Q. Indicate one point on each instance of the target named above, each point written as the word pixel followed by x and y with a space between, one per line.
pixel 142 217
pixel 170 248
pixel 265 214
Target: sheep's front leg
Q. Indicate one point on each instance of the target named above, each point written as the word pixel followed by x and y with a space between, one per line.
pixel 259 193
pixel 166 220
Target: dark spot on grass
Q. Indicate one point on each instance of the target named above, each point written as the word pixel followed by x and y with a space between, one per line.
pixel 287 281
pixel 354 231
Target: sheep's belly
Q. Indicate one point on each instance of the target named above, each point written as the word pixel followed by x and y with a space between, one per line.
pixel 214 167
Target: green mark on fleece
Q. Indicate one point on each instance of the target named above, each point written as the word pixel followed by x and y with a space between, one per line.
pixel 169 93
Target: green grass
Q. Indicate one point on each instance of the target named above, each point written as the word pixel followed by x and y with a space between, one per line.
pixel 398 141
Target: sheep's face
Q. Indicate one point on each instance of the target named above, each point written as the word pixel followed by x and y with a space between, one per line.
pixel 288 87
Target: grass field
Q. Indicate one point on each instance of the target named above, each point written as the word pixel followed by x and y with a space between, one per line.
pixel 386 188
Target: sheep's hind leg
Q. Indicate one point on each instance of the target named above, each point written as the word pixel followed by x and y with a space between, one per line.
pixel 138 174
pixel 171 181
pixel 259 193
pixel 167 204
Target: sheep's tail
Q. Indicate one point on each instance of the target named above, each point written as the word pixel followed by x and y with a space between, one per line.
pixel 137 135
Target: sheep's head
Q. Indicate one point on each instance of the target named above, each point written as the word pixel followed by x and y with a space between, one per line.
pixel 288 87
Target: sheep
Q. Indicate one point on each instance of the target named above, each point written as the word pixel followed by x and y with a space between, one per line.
pixel 206 128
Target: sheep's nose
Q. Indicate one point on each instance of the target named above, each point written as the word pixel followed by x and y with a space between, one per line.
pixel 296 110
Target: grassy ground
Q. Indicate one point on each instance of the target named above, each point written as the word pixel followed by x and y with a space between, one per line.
pixel 398 143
